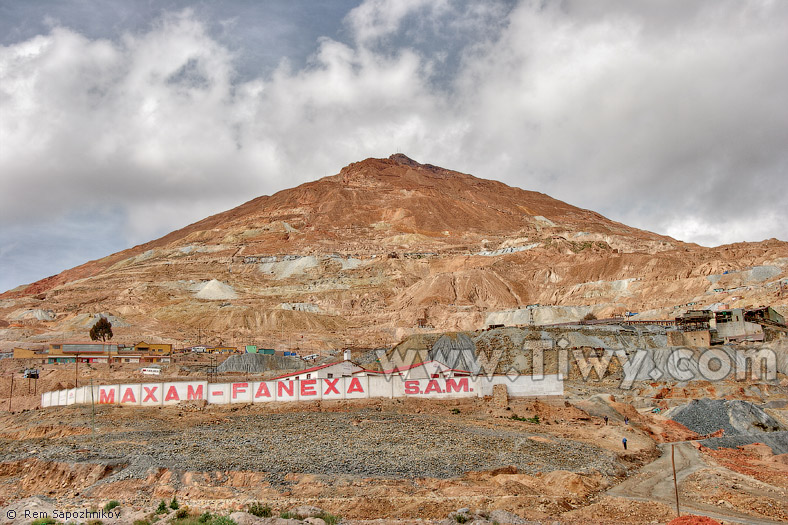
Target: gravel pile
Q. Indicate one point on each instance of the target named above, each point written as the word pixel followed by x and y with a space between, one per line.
pixel 368 444
pixel 777 441
pixel 259 363
pixel 214 290
pixel 706 416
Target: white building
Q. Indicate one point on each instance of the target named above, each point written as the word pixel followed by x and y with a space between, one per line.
pixel 327 371
pixel 427 370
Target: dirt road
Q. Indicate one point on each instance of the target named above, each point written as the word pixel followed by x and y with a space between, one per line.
pixel 654 482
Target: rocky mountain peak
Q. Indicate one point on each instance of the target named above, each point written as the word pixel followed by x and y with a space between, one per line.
pixel 401 158
pixel 367 253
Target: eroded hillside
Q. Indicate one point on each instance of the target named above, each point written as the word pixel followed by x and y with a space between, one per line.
pixel 364 257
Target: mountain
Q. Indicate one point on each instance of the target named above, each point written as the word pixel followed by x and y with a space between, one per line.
pixel 363 257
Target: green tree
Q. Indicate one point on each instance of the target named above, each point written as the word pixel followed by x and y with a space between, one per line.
pixel 101 330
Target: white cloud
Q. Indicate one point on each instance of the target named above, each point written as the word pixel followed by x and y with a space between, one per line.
pixel 120 123
pixel 606 112
pixel 673 121
pixel 376 19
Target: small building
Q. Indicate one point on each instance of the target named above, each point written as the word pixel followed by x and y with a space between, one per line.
pixel 222 350
pixel 124 358
pixel 732 326
pixel 427 370
pixel 764 314
pixel 153 348
pixel 24 353
pixel 84 352
pixel 694 320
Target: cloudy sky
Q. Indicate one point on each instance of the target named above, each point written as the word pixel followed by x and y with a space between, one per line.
pixel 123 120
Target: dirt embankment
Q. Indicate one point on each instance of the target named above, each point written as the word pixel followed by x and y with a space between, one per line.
pixel 388 458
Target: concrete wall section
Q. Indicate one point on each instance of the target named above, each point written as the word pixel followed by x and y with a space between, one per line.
pixel 151 394
pixel 130 394
pixel 524 386
pixel 80 395
pixel 108 395
pixel 263 391
pixel 356 387
pixel 380 386
pixel 440 388
pixel 287 390
pixel 310 389
pixel 92 394
pixel 362 387
pixel 179 391
pixel 219 393
pixel 241 392
pixel 332 388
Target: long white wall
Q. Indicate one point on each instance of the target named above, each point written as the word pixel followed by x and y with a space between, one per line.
pixel 158 394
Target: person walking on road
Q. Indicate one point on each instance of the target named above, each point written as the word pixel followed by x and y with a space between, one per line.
pixel 606 420
pixel 624 442
pixel 626 420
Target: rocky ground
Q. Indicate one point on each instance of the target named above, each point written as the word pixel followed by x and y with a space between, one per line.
pixel 390 460
pixel 364 442
pixel 402 460
pixel 371 255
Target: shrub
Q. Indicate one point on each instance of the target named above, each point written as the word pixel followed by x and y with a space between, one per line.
pixel 223 520
pixel 205 517
pixel 162 508
pixel 174 503
pixel 461 518
pixel 111 505
pixel 94 522
pixel 455 410
pixel 287 515
pixel 181 513
pixel 44 521
pixel 534 419
pixel 330 519
pixel 141 522
pixel 260 510
pixel 589 317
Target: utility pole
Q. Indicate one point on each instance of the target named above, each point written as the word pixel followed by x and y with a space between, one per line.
pixel 12 392
pixel 675 483
pixel 93 407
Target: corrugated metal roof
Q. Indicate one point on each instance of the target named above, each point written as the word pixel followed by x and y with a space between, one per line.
pixel 424 364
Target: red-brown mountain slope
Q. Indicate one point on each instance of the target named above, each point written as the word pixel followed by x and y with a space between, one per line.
pixel 358 257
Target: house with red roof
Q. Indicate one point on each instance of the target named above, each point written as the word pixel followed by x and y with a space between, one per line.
pixel 427 370
pixel 327 371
